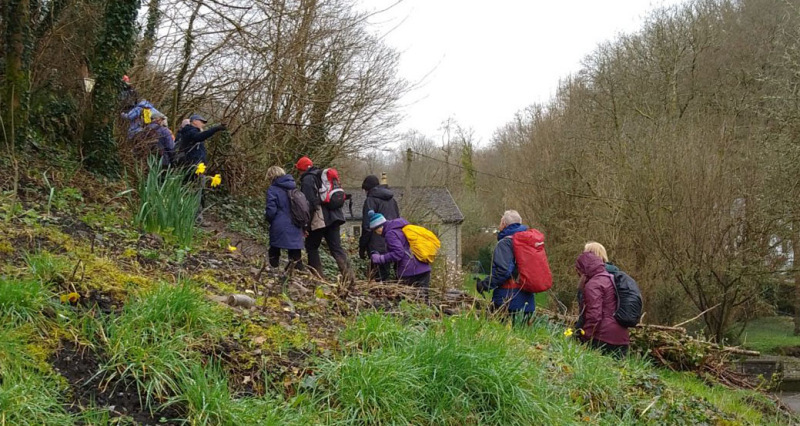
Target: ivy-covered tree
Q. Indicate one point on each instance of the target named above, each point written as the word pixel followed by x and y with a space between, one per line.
pixel 17 39
pixel 113 54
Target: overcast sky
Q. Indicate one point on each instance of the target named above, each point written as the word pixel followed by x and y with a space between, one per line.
pixel 480 61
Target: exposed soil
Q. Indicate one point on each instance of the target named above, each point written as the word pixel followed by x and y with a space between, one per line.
pixel 80 365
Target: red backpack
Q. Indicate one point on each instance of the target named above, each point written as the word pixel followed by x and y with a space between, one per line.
pixel 534 271
pixel 330 190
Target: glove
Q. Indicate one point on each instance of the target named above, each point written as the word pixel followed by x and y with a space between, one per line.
pixel 482 285
pixel 375 257
pixel 223 127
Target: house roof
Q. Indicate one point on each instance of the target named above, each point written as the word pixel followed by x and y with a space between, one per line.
pixel 422 201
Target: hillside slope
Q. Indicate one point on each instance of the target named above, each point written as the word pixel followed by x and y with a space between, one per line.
pixel 101 324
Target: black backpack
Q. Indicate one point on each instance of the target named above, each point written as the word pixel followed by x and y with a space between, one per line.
pixel 299 208
pixel 629 300
pixel 179 154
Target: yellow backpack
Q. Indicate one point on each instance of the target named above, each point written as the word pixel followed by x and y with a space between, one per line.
pixel 147 115
pixel 423 242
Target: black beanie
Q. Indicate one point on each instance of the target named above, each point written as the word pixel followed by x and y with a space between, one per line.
pixel 370 182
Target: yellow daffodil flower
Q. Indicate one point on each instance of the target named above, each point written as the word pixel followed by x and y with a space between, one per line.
pixel 232 248
pixel 568 332
pixel 583 333
pixel 216 180
pixel 201 168
pixel 71 297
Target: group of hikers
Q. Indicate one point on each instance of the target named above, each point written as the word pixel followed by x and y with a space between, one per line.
pixel 301 217
pixel 609 300
pixel 149 132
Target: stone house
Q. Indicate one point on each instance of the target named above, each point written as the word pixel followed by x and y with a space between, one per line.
pixel 431 207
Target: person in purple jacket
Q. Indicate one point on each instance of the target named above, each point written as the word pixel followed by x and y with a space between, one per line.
pixel 597 307
pixel 410 270
pixel 158 139
pixel 283 234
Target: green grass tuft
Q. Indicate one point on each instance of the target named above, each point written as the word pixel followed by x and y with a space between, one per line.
pixel 470 370
pixel 47 267
pixel 153 342
pixel 24 301
pixel 29 397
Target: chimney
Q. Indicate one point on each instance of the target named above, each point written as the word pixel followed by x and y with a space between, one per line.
pixel 384 181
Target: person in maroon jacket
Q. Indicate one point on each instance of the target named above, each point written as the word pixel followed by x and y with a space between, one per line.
pixel 598 304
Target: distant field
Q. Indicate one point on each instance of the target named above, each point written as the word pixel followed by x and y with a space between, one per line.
pixel 769 334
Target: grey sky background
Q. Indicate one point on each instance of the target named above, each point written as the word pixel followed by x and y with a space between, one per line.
pixel 479 62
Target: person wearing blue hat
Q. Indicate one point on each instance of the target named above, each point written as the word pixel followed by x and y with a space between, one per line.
pixel 410 270
pixel 192 138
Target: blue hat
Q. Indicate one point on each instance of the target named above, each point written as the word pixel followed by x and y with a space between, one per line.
pixel 197 117
pixel 376 220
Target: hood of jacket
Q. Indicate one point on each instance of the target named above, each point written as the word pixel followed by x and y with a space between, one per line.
pixel 511 230
pixel 286 182
pixel 381 192
pixel 393 224
pixel 589 264
pixel 611 268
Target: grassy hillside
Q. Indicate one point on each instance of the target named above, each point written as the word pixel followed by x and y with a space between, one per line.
pixel 101 324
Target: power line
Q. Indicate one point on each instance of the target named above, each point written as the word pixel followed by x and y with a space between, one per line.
pixel 522 182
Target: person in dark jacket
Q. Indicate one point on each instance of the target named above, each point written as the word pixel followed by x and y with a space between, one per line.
pixel 380 199
pixel 193 139
pixel 410 270
pixel 325 222
pixel 506 294
pixel 283 234
pixel 597 307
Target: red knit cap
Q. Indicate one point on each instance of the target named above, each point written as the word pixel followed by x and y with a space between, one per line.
pixel 303 164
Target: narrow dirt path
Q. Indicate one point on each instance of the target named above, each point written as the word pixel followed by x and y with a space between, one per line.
pixel 245 245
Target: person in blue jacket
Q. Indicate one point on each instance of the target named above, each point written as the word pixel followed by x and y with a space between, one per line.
pixel 505 294
pixel 283 234
pixel 136 119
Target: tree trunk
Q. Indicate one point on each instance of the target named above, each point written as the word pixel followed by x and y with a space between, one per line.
pixel 149 36
pixel 188 45
pixel 113 54
pixel 17 56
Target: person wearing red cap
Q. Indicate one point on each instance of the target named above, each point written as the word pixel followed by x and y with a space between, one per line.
pixel 325 222
pixel 303 164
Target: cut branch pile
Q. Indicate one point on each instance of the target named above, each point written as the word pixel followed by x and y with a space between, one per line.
pixel 674 348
